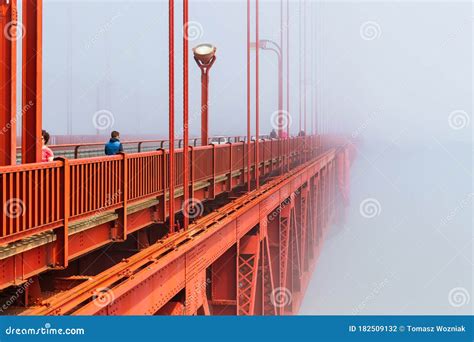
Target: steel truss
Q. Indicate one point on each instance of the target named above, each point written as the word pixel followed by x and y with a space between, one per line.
pixel 253 256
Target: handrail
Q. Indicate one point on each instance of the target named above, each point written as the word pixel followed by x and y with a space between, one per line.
pixel 74 148
pixel 34 196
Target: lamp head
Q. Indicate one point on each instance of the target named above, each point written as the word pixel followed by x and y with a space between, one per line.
pixel 262 44
pixel 204 53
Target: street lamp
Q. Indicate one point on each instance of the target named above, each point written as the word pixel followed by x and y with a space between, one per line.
pixel 205 56
pixel 266 44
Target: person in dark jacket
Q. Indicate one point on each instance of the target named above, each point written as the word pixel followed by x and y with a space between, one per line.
pixel 273 134
pixel 114 145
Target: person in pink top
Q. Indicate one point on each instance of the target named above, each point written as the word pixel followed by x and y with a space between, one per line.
pixel 47 153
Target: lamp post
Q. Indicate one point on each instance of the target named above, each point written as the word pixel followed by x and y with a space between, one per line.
pixel 205 56
pixel 266 44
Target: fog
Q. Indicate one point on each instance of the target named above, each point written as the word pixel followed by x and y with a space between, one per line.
pixel 397 76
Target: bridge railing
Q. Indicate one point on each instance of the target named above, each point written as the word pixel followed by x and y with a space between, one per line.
pixel 146 174
pixel 31 197
pixel 43 196
pixel 96 149
pixel 95 184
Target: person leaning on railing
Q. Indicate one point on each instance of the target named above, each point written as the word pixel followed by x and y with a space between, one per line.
pixel 114 145
pixel 47 154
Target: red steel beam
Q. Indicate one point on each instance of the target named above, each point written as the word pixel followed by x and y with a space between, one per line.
pixel 32 81
pixel 162 270
pixel 108 185
pixel 9 33
pixel 205 105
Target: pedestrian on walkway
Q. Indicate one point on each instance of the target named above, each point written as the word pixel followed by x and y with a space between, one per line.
pixel 114 146
pixel 47 154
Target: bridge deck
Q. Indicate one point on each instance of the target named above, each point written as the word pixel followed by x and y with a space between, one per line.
pixel 272 235
pixel 56 212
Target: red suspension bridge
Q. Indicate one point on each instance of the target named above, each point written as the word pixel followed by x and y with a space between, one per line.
pixel 170 226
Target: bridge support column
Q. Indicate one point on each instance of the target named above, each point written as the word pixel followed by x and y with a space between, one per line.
pixel 224 284
pixel 32 81
pixel 269 301
pixel 248 261
pixel 285 231
pixel 9 33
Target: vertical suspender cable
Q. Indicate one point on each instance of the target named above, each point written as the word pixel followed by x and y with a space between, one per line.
pixel 304 62
pixel 257 107
pixel 288 119
pixel 248 98
pixel 300 62
pixel 171 114
pixel 185 112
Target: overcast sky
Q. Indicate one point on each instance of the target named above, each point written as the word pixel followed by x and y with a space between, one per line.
pixel 397 70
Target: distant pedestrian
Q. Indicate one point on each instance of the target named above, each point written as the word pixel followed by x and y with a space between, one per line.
pixel 302 133
pixel 114 145
pixel 273 134
pixel 47 154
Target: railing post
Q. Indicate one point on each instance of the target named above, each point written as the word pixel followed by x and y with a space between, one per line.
pixel 282 157
pixel 229 185
pixel 61 255
pixel 162 201
pixel 242 173
pixel 76 151
pixel 212 192
pixel 191 163
pixel 120 230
